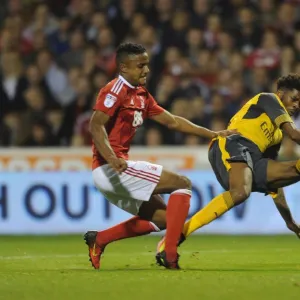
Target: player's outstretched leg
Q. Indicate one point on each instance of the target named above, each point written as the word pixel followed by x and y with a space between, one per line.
pixel 240 183
pixel 281 174
pixel 152 217
pixel 177 211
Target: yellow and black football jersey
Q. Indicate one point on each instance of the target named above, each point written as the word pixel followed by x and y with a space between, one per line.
pixel 259 120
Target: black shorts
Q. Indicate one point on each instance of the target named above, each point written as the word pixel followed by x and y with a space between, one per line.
pixel 236 148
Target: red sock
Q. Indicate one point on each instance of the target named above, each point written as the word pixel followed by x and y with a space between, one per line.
pixel 177 212
pixel 130 228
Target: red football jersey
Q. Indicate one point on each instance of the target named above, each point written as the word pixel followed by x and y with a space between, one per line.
pixel 128 107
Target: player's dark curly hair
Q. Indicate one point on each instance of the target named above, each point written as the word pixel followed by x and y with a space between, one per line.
pixel 126 49
pixel 289 82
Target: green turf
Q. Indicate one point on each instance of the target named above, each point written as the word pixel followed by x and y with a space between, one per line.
pixel 214 267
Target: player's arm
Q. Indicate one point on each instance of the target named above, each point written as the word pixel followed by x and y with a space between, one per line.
pixel 292 132
pixel 181 124
pixel 105 107
pixel 285 212
pixel 99 134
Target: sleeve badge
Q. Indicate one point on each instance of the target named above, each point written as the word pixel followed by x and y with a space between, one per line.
pixel 109 100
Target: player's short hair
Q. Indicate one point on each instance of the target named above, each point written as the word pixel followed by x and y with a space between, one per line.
pixel 126 49
pixel 289 82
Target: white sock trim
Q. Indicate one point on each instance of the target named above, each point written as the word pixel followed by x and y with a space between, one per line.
pixel 182 191
pixel 155 227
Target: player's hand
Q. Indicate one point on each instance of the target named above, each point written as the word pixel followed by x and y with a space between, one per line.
pixel 225 133
pixel 294 227
pixel 118 164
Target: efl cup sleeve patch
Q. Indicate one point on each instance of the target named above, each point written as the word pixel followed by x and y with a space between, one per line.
pixel 109 100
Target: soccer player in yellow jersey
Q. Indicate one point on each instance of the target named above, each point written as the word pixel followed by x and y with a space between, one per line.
pixel 247 163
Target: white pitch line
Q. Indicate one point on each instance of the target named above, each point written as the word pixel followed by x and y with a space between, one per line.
pixel 19 257
pixel 217 251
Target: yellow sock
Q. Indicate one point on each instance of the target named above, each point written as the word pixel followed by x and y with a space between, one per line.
pixel 214 209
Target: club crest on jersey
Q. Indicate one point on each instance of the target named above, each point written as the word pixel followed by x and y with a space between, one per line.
pixel 110 100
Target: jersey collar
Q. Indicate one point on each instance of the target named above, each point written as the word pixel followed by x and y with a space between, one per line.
pixel 127 83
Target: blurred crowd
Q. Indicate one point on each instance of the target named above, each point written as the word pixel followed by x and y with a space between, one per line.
pixel 206 58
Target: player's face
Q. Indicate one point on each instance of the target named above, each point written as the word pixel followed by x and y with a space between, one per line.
pixel 291 101
pixel 137 69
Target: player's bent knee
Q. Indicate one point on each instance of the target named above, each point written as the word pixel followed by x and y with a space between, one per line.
pixel 239 195
pixel 187 184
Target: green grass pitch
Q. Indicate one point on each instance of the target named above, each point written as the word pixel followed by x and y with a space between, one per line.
pixel 214 267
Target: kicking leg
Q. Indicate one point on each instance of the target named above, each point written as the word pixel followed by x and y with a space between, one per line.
pixel 240 185
pixel 154 211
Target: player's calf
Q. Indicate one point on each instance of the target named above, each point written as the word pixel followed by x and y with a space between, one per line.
pixel 154 210
pixel 159 219
pixel 177 209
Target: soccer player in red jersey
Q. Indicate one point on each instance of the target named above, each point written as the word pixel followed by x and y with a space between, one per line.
pixel 134 186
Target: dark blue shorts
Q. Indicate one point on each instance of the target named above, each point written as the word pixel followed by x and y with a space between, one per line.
pixel 236 148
